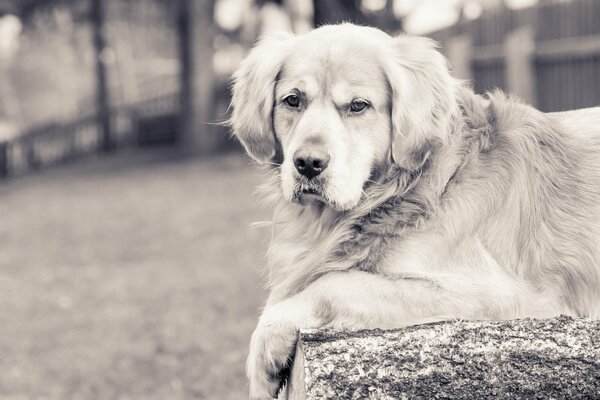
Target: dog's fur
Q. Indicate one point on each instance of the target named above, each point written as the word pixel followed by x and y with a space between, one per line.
pixel 436 204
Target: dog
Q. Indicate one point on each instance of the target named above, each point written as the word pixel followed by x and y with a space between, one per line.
pixel 401 197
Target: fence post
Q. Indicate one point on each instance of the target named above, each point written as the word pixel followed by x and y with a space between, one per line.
pixel 3 159
pixel 519 50
pixel 459 51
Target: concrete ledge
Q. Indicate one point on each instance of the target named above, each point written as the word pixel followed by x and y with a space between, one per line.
pixel 519 359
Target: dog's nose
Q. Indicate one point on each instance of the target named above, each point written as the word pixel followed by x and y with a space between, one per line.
pixel 311 163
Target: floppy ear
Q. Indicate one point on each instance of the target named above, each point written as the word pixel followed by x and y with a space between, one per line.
pixel 423 99
pixel 253 96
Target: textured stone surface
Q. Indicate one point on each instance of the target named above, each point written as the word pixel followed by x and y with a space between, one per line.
pixel 518 359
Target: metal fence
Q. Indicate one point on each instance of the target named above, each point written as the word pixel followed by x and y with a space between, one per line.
pixel 61 142
pixel 140 58
pixel 548 54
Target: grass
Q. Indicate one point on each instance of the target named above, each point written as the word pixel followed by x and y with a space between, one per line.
pixel 134 276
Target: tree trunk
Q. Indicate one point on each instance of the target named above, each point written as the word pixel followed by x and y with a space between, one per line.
pixel 336 11
pixel 102 95
pixel 519 359
pixel 196 31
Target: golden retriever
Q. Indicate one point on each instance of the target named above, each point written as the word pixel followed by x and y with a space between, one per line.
pixel 400 196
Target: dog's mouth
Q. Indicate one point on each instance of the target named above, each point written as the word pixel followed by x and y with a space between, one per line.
pixel 311 191
pixel 311 195
pixel 307 191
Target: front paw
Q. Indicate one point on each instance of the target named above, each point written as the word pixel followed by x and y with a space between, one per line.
pixel 271 351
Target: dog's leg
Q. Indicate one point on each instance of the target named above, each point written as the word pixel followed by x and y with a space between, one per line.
pixel 360 300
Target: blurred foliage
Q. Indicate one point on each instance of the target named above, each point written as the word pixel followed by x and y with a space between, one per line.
pixel 26 9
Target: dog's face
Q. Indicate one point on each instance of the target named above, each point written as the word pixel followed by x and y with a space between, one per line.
pixel 332 118
pixel 334 105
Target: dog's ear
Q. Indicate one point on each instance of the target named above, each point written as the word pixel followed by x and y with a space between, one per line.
pixel 422 99
pixel 253 96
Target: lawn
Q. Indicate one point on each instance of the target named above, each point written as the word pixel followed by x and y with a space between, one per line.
pixel 133 276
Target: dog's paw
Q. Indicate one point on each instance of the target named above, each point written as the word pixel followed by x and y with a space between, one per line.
pixel 271 351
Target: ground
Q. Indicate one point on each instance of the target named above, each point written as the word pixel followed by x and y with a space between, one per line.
pixel 135 275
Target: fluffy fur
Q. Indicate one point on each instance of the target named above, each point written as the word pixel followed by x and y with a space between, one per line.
pixel 437 203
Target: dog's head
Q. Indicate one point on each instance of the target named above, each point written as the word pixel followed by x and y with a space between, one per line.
pixel 336 104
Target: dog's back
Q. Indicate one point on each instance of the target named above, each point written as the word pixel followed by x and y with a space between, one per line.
pixel 554 207
pixel 584 127
pixel 584 122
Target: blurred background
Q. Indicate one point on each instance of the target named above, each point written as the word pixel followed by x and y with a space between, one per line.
pixel 128 267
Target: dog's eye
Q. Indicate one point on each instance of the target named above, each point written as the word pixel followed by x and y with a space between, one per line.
pixel 358 105
pixel 292 100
